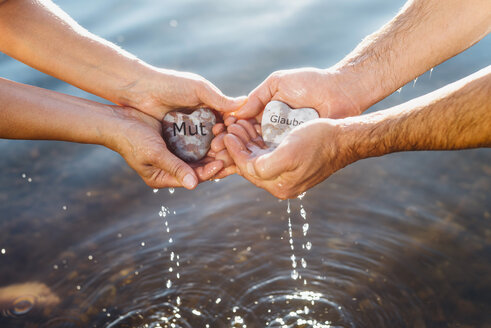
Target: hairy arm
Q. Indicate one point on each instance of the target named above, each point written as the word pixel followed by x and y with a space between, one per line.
pixel 457 116
pixel 422 35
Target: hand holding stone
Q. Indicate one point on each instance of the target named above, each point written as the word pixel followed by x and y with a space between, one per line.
pixel 307 156
pixel 320 89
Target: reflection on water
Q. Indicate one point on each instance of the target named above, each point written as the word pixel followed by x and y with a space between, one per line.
pixel 400 241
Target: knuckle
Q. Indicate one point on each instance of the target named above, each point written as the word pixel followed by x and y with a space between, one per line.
pixel 176 169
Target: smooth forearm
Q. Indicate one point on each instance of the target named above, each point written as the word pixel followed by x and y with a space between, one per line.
pixel 424 34
pixel 457 116
pixel 28 112
pixel 41 35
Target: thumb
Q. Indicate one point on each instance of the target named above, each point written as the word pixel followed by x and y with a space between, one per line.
pixel 212 97
pixel 177 168
pixel 269 166
pixel 257 99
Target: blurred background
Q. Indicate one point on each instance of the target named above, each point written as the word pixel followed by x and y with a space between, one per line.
pixel 398 241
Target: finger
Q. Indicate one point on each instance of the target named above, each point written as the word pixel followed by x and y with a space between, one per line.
pixel 240 132
pixel 230 120
pixel 258 98
pixel 217 143
pixel 211 154
pixel 249 127
pixel 241 157
pixel 207 171
pixel 218 128
pixel 211 96
pixel 177 168
pixel 225 172
pixel 225 157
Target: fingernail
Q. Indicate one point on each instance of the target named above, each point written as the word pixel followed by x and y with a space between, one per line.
pixel 189 181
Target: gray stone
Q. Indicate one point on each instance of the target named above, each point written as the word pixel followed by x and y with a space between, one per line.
pixel 188 133
pixel 279 119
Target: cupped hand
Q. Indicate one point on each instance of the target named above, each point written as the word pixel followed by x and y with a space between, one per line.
pixel 306 157
pixel 138 139
pixel 162 90
pixel 323 90
pixel 249 130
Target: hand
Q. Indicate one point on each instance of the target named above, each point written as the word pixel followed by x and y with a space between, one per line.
pixel 160 91
pixel 323 90
pixel 250 130
pixel 138 138
pixel 306 157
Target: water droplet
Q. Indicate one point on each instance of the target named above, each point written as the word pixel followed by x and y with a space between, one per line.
pixel 64 207
pixel 168 284
pixel 431 71
pixel 294 274
pixel 399 90
pixel 29 180
pixel 302 195
pixel 24 175
pixel 196 312
pixel 120 235
pixel 171 190
pixel 308 245
pixel 78 287
pixel 288 208
pixel 305 228
pixel 170 240
pixel 3 251
pixel 304 263
pixel 155 191
pixel 55 267
pixel 173 23
pixel 414 83
pixel 172 256
pixel 303 214
pixel 178 300
pixel 142 244
pixel 90 257
pixel 218 300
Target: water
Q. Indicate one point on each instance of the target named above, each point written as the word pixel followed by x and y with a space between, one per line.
pixel 399 241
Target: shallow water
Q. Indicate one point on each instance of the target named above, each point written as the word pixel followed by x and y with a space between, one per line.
pixel 398 241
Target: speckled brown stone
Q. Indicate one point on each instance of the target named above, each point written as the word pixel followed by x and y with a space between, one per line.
pixel 188 133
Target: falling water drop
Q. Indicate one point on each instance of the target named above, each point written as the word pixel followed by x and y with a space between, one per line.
pixel 168 284
pixel 305 228
pixel 414 83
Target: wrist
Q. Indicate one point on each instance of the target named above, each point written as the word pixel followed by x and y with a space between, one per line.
pixel 361 82
pixel 138 91
pixel 365 136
